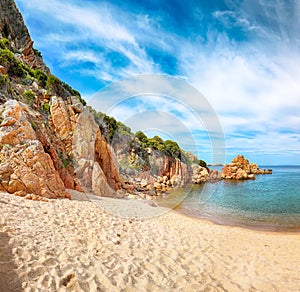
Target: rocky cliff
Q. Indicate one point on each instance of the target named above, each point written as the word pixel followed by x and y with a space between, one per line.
pixel 50 140
pixel 149 169
pixel 12 27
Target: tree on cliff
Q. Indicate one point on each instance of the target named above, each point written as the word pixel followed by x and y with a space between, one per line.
pixel 142 137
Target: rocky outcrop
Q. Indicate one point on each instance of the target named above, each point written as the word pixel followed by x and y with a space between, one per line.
pixel 40 159
pixel 107 160
pixel 240 169
pixel 202 174
pixel 25 168
pixel 167 166
pixel 146 171
pixel 63 121
pixel 90 152
pixel 214 176
pixel 13 28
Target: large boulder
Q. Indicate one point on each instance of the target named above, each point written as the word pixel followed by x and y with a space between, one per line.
pixel 61 118
pixel 25 168
pixel 95 164
pixel 199 174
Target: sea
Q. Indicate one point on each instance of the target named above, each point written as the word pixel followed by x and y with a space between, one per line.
pixel 270 202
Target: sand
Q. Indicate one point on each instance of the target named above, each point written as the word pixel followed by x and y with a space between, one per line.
pixel 75 245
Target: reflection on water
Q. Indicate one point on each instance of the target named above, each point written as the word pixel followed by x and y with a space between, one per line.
pixel 270 202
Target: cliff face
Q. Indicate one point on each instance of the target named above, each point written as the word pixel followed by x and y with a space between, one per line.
pixel 13 28
pixel 49 139
pixel 95 164
pixel 148 172
pixel 25 168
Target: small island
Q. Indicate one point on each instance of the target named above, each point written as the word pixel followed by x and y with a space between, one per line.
pixel 240 168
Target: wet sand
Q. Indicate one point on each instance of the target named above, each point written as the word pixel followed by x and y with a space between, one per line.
pixel 75 245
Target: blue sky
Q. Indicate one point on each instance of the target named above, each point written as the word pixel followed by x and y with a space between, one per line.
pixel 243 56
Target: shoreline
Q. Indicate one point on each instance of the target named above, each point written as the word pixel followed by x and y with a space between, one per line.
pixel 250 222
pixel 259 227
pixel 107 203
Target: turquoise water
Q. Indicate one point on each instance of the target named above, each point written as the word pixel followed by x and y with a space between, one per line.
pixel 270 202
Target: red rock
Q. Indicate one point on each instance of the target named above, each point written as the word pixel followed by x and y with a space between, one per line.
pixel 240 169
pixel 25 167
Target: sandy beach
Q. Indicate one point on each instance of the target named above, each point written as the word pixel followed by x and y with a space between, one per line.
pixel 74 245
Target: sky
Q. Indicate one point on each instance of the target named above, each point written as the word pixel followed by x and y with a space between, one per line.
pixel 242 56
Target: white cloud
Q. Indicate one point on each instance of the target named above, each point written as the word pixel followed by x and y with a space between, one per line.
pixel 96 19
pixel 83 29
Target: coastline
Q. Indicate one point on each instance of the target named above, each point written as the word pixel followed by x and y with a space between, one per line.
pixel 73 245
pixel 263 227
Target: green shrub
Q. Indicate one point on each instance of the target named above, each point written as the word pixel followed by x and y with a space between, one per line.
pixel 172 149
pixel 46 107
pixel 142 137
pixel 201 163
pixel 156 143
pixel 112 126
pixel 6 57
pixel 4 79
pixel 53 84
pixel 123 129
pixel 7 146
pixel 34 125
pixel 37 53
pixel 4 43
pixel 28 80
pixel 74 92
pixel 15 67
pixel 41 77
pixel 29 97
pixel 65 159
pixel 98 116
pixel 8 60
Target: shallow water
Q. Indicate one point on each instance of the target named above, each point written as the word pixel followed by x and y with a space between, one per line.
pixel 271 202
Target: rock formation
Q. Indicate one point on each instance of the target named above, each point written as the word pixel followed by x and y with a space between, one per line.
pixel 204 174
pixel 50 141
pixel 240 169
pixel 95 164
pixel 200 174
pixel 25 168
pixel 37 133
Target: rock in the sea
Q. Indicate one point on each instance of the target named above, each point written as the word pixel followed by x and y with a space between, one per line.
pixel 240 169
pixel 214 176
